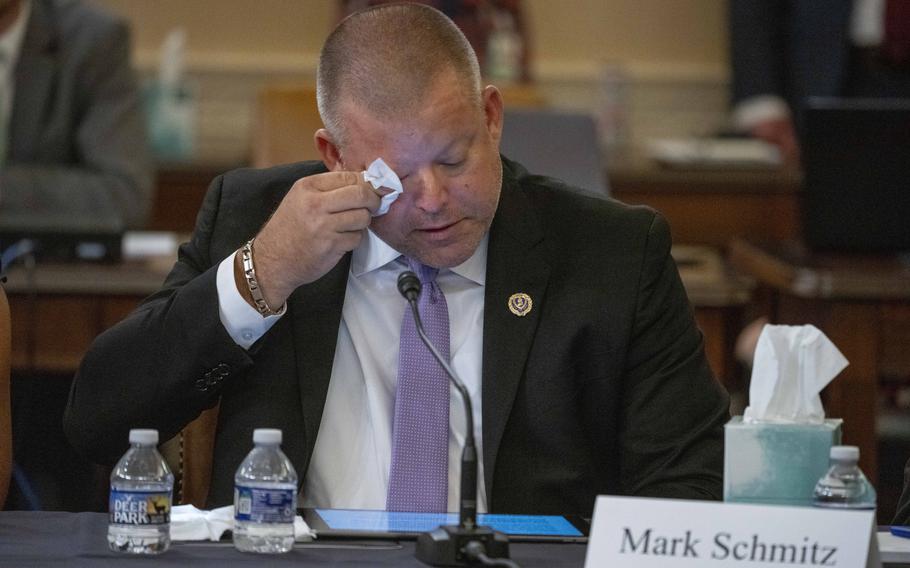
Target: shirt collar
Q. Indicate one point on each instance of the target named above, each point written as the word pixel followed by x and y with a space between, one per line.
pixel 11 41
pixel 475 268
pixel 373 253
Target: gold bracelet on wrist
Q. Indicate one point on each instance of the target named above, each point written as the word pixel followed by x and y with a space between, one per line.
pixel 249 273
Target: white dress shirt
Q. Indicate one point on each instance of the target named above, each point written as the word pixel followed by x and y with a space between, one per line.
pixel 349 468
pixel 867 23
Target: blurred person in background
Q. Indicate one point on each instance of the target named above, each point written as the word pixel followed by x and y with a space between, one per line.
pixel 784 51
pixel 72 150
pixel 72 133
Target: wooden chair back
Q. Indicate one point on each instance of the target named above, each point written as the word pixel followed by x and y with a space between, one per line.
pixel 189 454
pixel 286 118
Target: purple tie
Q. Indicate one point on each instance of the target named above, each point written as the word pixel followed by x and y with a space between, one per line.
pixel 419 474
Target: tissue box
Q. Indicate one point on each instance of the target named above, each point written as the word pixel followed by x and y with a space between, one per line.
pixel 776 463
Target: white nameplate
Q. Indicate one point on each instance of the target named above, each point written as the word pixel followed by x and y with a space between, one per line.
pixel 664 533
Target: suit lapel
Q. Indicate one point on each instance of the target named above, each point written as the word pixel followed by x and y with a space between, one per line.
pixel 316 311
pixel 35 76
pixel 515 264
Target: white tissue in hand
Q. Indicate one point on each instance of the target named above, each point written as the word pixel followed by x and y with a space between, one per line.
pixel 379 174
pixel 792 365
pixel 190 523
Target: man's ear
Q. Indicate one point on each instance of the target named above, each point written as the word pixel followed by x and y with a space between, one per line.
pixel 492 108
pixel 325 145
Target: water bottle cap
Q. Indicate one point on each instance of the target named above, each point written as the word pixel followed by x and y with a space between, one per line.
pixel 266 436
pixel 845 453
pixel 146 437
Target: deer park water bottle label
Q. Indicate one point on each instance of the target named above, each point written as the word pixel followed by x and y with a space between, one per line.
pixel 140 508
pixel 259 505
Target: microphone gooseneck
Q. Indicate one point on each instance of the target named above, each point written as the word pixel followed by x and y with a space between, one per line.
pixel 465 543
pixel 409 286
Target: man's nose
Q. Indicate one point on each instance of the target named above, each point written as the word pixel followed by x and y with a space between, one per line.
pixel 428 189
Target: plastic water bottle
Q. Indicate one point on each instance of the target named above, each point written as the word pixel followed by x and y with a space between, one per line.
pixel 844 486
pixel 140 501
pixel 265 497
pixel 612 103
pixel 504 49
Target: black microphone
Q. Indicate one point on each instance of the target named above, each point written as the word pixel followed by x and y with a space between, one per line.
pixel 409 286
pixel 448 545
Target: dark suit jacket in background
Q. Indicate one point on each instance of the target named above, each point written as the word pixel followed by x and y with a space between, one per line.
pixel 77 147
pixel 793 49
pixel 602 388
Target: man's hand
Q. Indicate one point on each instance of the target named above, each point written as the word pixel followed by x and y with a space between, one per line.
pixel 320 219
pixel 781 133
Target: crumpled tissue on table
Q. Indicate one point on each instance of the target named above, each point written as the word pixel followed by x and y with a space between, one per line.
pixel 190 523
pixel 379 174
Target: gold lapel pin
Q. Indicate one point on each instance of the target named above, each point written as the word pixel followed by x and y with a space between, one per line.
pixel 520 304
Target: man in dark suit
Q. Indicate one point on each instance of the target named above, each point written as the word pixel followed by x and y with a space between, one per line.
pixel 74 146
pixel 73 158
pixel 568 320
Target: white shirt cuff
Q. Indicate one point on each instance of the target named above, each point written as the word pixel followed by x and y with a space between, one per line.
pixel 243 323
pixel 750 112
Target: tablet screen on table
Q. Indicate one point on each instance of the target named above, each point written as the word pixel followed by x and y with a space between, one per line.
pixel 379 524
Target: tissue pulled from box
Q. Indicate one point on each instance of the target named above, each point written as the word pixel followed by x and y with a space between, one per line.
pixel 791 367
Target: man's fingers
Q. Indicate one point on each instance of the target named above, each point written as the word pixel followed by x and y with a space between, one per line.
pixel 348 241
pixel 361 196
pixel 330 181
pixel 351 220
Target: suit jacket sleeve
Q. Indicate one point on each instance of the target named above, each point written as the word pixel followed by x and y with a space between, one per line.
pixel 110 176
pixel 756 45
pixel 672 436
pixel 165 363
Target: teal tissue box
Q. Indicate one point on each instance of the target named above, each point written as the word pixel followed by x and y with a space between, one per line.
pixel 776 463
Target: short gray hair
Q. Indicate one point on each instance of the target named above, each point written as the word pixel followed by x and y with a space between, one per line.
pixel 386 58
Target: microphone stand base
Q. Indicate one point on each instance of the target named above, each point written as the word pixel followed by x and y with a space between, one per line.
pixel 444 546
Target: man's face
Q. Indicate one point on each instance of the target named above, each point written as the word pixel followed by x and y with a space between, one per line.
pixel 446 153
